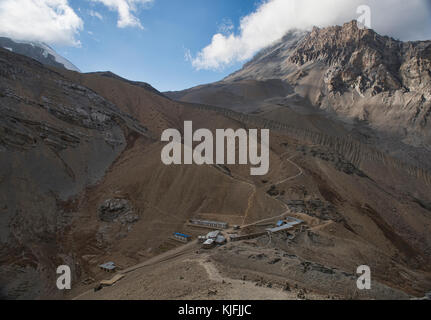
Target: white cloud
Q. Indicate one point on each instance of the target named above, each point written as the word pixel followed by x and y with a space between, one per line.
pixel 95 14
pixel 187 55
pixel 226 26
pixel 407 20
pixel 126 11
pixel 51 21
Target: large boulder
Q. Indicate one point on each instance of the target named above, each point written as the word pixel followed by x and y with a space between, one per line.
pixel 113 210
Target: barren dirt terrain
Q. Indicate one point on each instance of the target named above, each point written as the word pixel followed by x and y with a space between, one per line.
pixel 82 182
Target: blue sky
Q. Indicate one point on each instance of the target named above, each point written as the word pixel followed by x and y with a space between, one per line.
pixel 149 40
pixel 156 54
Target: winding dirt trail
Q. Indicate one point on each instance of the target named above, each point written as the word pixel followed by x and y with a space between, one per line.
pixel 253 194
pixel 301 172
pixel 190 247
pixel 249 203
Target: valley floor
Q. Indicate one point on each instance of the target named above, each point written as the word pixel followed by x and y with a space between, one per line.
pixel 191 276
pixel 247 270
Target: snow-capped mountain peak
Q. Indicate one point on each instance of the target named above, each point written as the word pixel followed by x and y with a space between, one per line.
pixel 38 51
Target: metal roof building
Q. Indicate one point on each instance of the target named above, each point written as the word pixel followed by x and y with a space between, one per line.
pixel 182 237
pixel 202 239
pixel 213 234
pixel 295 221
pixel 286 226
pixel 220 239
pixel 280 223
pixel 211 224
pixel 108 267
pixel 209 244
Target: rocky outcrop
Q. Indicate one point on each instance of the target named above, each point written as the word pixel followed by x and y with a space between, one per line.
pixel 113 210
pixel 361 59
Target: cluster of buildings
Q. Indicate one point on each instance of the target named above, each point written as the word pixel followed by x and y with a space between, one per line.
pixel 212 239
pixel 281 225
pixel 216 237
pixel 208 241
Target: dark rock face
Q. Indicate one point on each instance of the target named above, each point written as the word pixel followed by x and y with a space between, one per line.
pixel 113 210
pixel 315 208
pixel 338 160
pixel 273 192
pixel 357 58
pixel 56 139
pixel 362 59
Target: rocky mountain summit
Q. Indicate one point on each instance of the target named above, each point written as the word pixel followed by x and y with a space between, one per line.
pixel 377 88
pixel 358 58
pixel 363 60
pixel 356 73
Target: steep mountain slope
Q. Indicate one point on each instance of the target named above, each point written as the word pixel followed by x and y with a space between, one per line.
pixel 377 86
pixel 82 183
pixel 373 214
pixel 56 139
pixel 59 142
pixel 38 51
pixel 361 75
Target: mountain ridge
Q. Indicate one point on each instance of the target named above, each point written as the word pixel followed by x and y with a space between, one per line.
pixel 38 51
pixel 377 86
pixel 82 183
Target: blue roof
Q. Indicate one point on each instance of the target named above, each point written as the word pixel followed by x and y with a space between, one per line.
pixel 182 235
pixel 280 223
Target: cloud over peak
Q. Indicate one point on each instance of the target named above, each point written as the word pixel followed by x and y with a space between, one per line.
pixel 407 20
